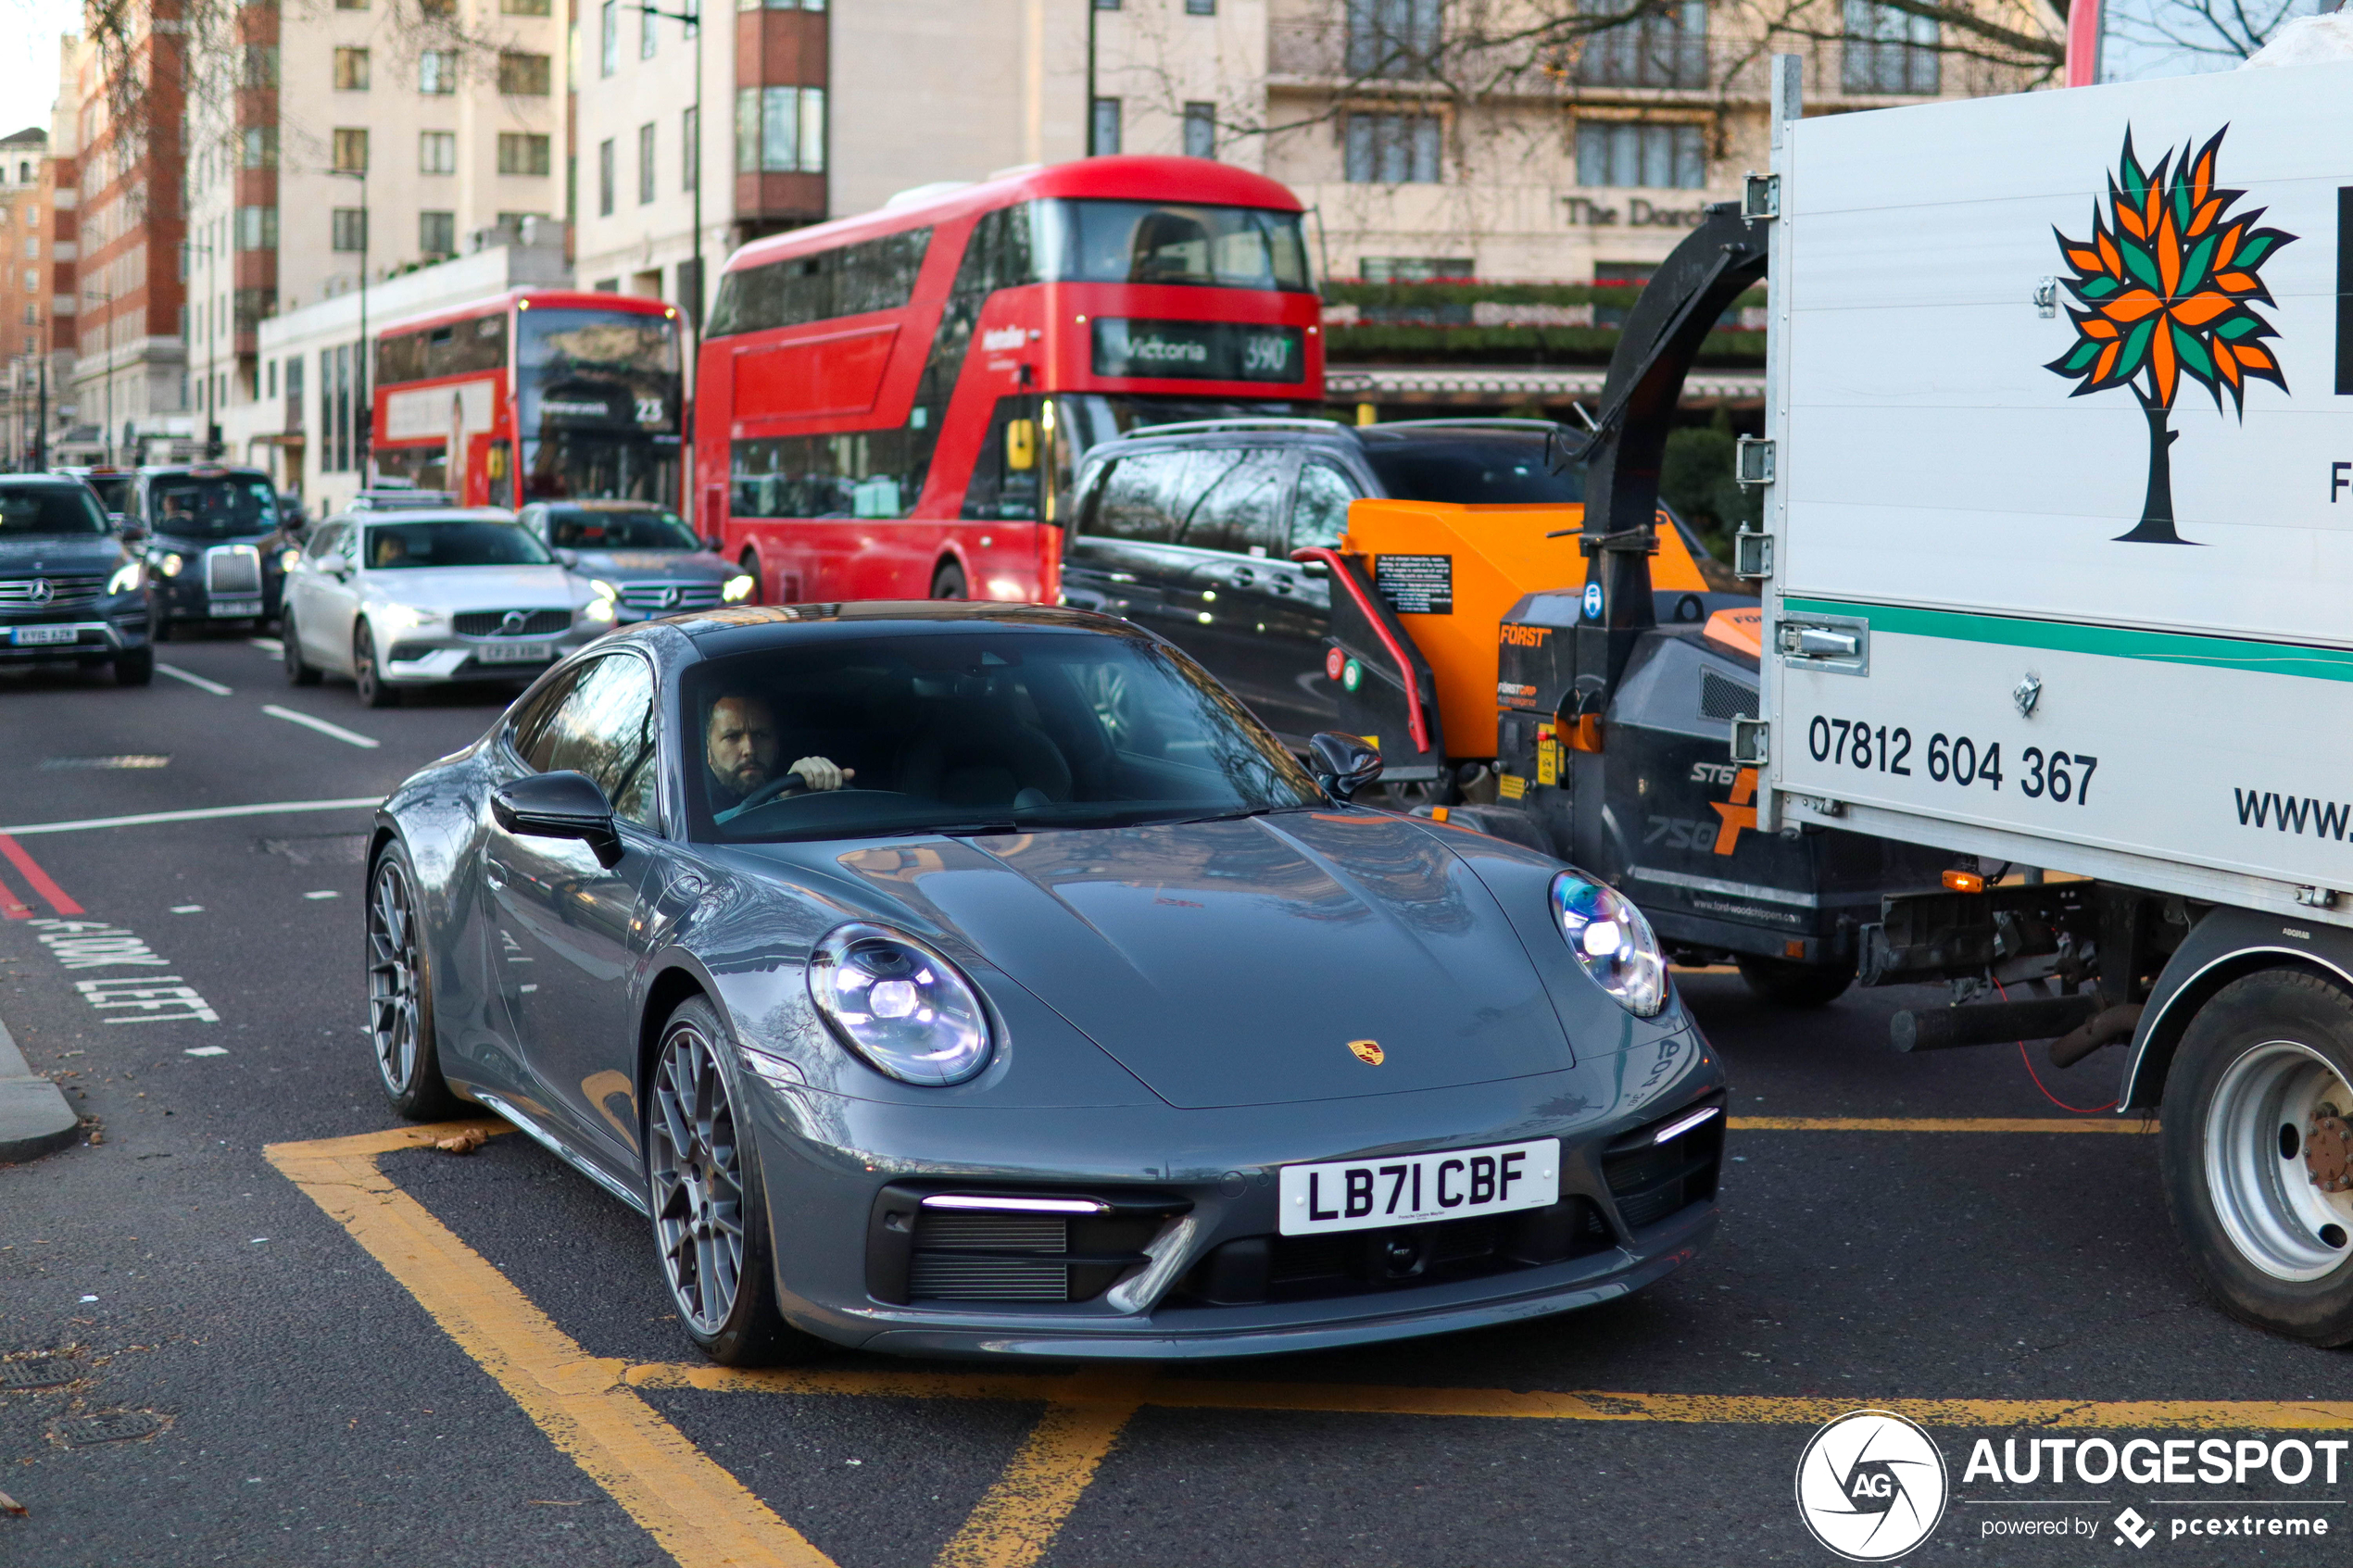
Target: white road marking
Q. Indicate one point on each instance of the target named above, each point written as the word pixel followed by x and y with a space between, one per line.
pixel 187 908
pixel 323 893
pixel 202 814
pixel 215 687
pixel 347 736
pixel 206 1050
pixel 267 644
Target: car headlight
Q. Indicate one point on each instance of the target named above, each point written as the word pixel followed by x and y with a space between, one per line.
pixel 127 578
pixel 402 618
pixel 604 590
pixel 288 559
pixel 1612 940
pixel 738 589
pixel 598 610
pixel 899 1006
pixel 171 565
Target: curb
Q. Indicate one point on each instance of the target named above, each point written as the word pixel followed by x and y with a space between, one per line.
pixel 34 1118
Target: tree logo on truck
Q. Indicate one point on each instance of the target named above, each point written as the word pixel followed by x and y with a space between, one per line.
pixel 2169 282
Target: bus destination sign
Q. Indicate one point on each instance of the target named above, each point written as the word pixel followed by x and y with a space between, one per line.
pixel 1197 351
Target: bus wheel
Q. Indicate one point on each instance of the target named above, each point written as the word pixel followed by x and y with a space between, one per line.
pixel 749 565
pixel 948 582
pixel 2256 1153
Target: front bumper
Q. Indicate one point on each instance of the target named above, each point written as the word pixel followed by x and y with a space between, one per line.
pixel 428 659
pixel 845 1162
pixel 186 598
pixel 94 636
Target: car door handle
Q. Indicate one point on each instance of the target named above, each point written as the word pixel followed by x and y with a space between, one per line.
pixel 1122 577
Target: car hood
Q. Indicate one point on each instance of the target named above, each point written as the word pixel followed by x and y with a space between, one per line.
pixel 58 552
pixel 1232 962
pixel 476 587
pixel 658 566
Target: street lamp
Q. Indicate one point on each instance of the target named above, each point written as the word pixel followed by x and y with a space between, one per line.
pixel 694 307
pixel 363 410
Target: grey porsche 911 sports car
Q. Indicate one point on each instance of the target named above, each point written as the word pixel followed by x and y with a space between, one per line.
pixel 964 978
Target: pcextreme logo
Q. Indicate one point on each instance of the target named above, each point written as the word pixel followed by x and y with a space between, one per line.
pixel 2169 282
pixel 1872 1486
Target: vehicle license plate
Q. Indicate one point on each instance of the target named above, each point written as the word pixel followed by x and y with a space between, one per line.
pixel 514 653
pixel 37 636
pixel 236 606
pixel 1355 1195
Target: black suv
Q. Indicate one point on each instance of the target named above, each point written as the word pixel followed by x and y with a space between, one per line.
pixel 1188 529
pixel 216 539
pixel 70 586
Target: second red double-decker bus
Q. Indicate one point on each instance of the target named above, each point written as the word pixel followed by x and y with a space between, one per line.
pixel 892 405
pixel 534 395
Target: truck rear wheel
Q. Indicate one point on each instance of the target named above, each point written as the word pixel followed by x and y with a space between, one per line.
pixel 1786 983
pixel 2257 1152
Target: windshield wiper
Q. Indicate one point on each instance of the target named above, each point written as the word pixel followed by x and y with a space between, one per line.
pixel 1232 816
pixel 949 829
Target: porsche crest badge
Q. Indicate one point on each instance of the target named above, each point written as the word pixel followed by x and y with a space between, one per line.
pixel 1366 1051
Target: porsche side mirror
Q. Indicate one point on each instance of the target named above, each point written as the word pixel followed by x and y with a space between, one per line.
pixel 1343 764
pixel 559 806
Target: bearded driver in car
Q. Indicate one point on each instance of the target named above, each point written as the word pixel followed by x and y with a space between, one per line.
pixel 740 748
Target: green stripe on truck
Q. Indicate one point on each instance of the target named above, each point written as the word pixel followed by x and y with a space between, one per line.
pixel 2115 642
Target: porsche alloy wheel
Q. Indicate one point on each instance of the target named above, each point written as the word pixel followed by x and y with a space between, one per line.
pixel 711 1224
pixel 400 1003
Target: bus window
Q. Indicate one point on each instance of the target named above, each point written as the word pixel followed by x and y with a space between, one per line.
pixel 1006 476
pixel 1130 242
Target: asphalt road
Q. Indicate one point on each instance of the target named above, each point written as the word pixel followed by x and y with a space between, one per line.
pixel 299 1390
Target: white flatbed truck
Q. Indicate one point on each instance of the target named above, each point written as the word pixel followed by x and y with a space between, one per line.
pixel 2058 572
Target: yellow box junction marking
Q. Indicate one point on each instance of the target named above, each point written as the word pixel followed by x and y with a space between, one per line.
pixel 703 1517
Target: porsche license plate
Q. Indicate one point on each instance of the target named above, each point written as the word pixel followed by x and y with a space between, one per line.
pixel 41 636
pixel 514 653
pixel 1455 1183
pixel 239 607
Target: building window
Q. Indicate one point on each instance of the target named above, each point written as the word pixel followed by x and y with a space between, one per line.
pixel 1200 130
pixel 524 7
pixel 780 5
pixel 1201 7
pixel 1392 149
pixel 604 178
pixel 1656 157
pixel 437 8
pixel 1415 269
pixel 689 149
pixel 437 71
pixel 438 233
pixel 272 380
pixel 1889 51
pixel 646 35
pixel 1103 134
pixel 1661 48
pixel 437 152
pixel 351 5
pixel 1396 39
pixel 350 228
pixel 257 228
pixel 645 164
pixel 610 54
pixel 1107 5
pixel 523 76
pixel 780 130
pixel 351 150
pixel 258 147
pixel 523 152
pixel 351 70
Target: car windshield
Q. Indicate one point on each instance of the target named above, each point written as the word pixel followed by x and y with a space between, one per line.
pixel 570 528
pixel 27 509
pixel 211 507
pixel 1484 467
pixel 981 730
pixel 114 490
pixel 391 546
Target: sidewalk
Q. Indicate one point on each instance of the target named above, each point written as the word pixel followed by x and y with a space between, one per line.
pixel 34 1118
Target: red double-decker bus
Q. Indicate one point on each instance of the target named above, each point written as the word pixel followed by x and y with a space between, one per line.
pixel 534 395
pixel 892 405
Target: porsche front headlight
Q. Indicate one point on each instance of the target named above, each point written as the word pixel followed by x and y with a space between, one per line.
pixel 736 589
pixel 899 1006
pixel 1612 940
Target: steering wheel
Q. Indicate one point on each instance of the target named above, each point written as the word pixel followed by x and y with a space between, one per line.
pixel 778 789
pixel 770 790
